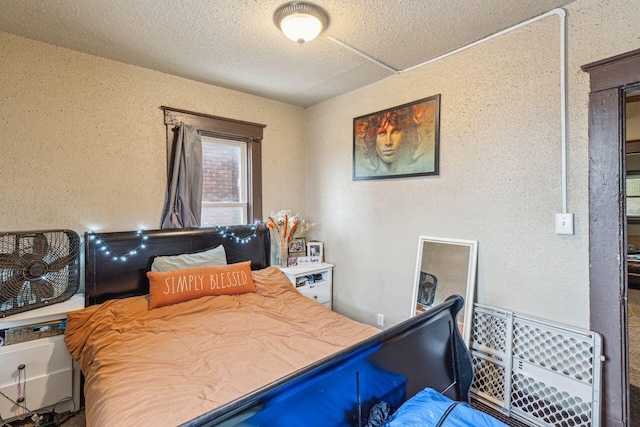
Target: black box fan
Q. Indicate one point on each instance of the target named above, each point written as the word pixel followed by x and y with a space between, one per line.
pixel 37 268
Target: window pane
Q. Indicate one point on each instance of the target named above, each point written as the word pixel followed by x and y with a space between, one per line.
pixel 215 215
pixel 633 196
pixel 224 182
pixel 633 206
pixel 222 174
pixel 633 186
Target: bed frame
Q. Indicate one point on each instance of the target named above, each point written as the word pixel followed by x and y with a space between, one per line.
pixel 427 350
pixel 106 278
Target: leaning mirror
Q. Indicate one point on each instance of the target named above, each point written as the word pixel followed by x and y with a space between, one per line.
pixel 446 267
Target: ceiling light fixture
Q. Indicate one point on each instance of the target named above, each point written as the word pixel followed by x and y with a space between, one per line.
pixel 301 21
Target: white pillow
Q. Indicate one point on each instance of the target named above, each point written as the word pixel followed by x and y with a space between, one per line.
pixel 210 257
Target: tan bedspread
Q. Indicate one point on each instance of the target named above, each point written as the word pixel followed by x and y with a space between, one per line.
pixel 165 366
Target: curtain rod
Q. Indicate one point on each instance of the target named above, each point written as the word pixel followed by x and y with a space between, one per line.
pixel 223 135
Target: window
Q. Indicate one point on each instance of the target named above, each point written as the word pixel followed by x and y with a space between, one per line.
pixel 224 182
pixel 232 181
pixel 633 196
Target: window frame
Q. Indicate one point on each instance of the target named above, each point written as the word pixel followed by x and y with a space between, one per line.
pixel 227 129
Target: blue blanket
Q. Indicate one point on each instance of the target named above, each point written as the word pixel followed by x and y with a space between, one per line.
pixel 430 408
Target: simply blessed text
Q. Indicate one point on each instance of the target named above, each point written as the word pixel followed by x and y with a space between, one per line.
pixel 198 282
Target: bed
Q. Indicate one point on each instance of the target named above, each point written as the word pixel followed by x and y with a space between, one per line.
pixel 252 358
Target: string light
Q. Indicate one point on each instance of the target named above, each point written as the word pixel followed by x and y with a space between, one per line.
pixel 102 246
pixel 240 239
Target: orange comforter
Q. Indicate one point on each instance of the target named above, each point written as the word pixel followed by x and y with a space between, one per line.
pixel 164 366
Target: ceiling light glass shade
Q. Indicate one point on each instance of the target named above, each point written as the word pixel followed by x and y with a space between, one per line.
pixel 300 27
pixel 301 22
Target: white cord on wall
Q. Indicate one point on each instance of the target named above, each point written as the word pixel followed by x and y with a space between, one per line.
pixel 564 222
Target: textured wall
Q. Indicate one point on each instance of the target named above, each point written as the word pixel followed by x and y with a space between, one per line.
pixel 83 139
pixel 500 179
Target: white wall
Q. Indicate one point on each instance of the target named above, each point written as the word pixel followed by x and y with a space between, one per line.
pixel 500 172
pixel 84 141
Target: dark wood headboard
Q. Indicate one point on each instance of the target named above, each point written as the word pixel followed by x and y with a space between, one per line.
pixel 106 278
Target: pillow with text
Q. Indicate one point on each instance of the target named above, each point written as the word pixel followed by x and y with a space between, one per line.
pixel 171 287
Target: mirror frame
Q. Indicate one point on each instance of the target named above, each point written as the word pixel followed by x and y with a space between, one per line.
pixel 469 296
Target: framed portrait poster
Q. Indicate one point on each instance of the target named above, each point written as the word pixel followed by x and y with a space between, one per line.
pixel 399 142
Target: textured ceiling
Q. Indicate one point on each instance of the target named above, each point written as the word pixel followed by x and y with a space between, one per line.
pixel 235 44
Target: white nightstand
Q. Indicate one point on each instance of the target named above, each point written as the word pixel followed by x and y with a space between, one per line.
pixel 48 366
pixel 314 281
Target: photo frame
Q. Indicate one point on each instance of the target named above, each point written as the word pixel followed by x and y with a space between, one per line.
pixel 292 261
pixel 298 246
pixel 398 142
pixel 315 249
pixel 446 267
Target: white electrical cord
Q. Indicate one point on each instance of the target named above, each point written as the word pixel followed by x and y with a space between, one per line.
pixel 563 75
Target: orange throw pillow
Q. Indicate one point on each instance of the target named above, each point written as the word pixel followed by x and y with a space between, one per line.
pixel 175 286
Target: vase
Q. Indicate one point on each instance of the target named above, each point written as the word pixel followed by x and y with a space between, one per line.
pixel 279 250
pixel 282 254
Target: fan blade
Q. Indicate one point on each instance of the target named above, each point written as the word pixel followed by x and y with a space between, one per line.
pixel 43 289
pixel 10 261
pixel 40 246
pixel 60 263
pixel 11 288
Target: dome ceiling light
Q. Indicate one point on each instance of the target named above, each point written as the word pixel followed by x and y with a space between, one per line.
pixel 301 21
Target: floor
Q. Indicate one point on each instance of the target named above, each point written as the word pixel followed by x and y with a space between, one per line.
pixel 76 420
pixel 64 420
pixel 497 414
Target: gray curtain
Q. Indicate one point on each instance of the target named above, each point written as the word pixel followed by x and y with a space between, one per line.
pixel 184 196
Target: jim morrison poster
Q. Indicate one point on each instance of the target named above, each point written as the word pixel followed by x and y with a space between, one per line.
pixel 399 142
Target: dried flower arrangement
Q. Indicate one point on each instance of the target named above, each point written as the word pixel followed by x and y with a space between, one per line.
pixel 285 227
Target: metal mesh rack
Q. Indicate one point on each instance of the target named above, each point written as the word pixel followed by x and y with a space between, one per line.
pixel 542 373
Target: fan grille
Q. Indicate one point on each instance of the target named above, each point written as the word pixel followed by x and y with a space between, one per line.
pixel 37 269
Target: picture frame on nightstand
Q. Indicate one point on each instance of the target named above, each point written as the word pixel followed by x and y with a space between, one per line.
pixel 298 244
pixel 298 247
pixel 315 249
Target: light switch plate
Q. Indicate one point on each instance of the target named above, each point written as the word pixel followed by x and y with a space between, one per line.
pixel 564 223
